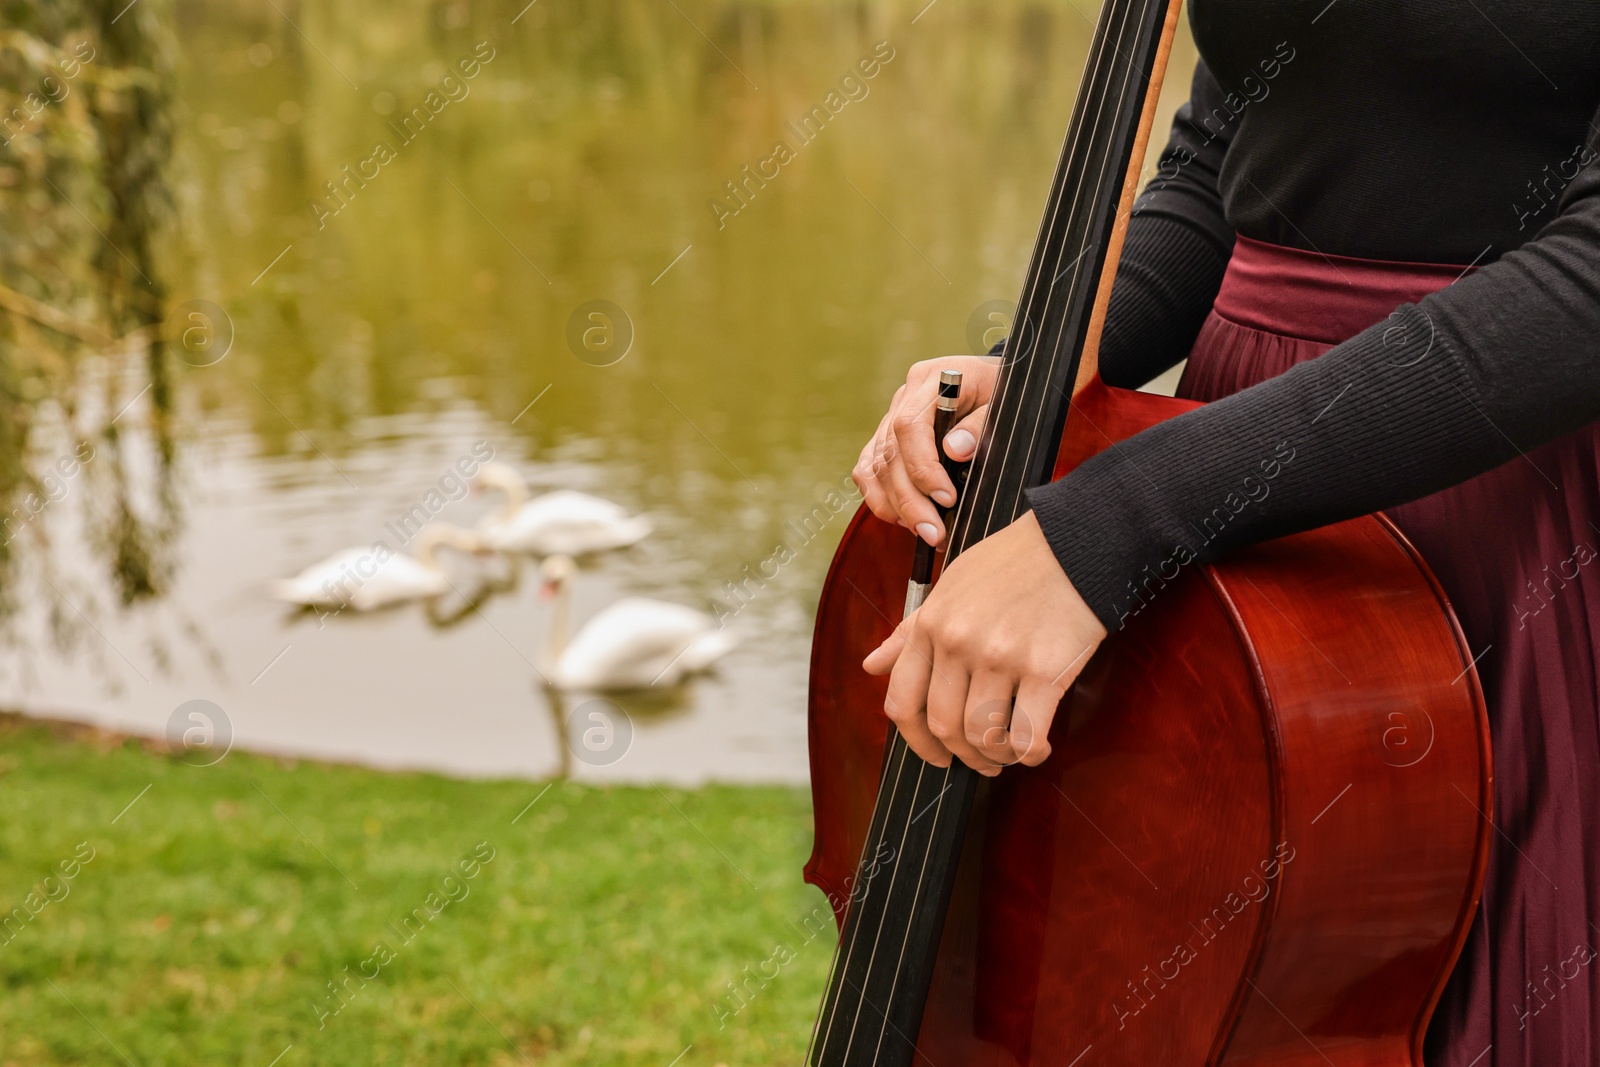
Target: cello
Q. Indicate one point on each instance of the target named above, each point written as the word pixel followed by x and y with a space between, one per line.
pixel 1262 831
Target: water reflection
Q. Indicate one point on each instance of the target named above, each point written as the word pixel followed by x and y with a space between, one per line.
pixel 408 220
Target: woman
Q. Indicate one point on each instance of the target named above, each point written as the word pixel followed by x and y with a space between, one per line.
pixel 1375 234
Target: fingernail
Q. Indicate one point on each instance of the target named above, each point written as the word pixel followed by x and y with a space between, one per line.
pixel 943 497
pixel 928 532
pixel 959 443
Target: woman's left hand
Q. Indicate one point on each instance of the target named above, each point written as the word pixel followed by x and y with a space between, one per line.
pixel 979 668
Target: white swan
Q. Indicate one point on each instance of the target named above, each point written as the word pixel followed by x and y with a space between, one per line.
pixel 565 522
pixel 375 577
pixel 632 644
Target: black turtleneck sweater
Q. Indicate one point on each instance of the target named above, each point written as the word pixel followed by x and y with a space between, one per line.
pixel 1442 131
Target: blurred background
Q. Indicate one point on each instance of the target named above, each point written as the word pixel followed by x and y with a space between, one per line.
pixel 272 271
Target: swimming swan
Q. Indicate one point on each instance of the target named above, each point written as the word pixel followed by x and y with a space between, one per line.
pixel 634 643
pixel 564 522
pixel 366 578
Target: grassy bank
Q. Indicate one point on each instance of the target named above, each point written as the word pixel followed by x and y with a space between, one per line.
pixel 199 915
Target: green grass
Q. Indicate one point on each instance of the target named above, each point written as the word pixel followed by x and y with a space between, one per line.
pixel 218 908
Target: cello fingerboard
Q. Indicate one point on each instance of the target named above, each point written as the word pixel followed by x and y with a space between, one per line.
pixel 880 977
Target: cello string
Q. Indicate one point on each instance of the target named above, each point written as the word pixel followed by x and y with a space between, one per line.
pixel 1035 368
pixel 960 538
pixel 888 893
pixel 1099 108
pixel 899 750
pixel 895 755
pixel 916 895
pixel 1105 169
pixel 966 515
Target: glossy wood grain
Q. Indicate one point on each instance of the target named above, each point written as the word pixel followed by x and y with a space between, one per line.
pixel 1262 834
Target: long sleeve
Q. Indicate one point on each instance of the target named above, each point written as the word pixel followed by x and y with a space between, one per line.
pixel 1469 378
pixel 1177 246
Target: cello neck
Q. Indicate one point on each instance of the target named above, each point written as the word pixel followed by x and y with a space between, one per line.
pixel 1054 338
pixel 873 1007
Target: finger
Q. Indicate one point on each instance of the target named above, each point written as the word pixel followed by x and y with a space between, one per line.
pixel 962 440
pixel 978 375
pixel 876 455
pixel 988 715
pixel 916 511
pixel 907 700
pixel 871 466
pixel 884 449
pixel 1031 718
pixel 866 475
pixel 1038 698
pixel 882 659
pixel 919 452
pixel 947 703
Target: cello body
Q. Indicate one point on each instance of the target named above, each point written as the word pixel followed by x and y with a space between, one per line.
pixel 1260 838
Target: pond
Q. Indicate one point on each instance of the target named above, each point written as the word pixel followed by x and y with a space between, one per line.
pixel 676 254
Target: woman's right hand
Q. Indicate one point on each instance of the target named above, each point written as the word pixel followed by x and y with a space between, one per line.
pixel 899 473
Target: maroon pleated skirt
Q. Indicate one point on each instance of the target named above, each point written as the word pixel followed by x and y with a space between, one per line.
pixel 1515 549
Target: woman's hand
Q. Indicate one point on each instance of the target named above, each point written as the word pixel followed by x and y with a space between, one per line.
pixel 979 669
pixel 899 473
